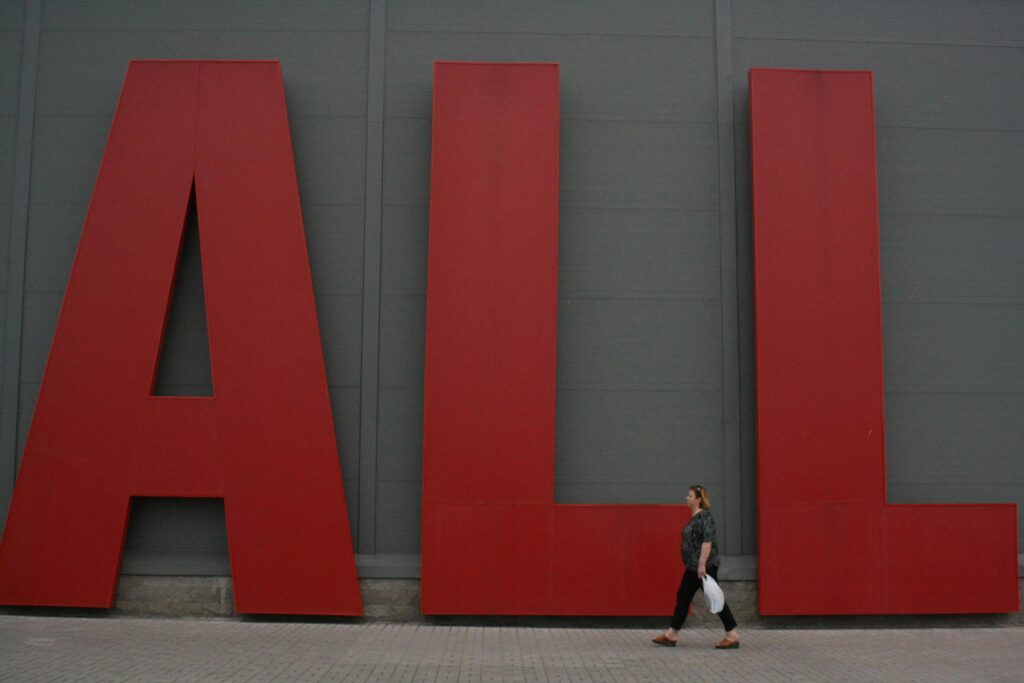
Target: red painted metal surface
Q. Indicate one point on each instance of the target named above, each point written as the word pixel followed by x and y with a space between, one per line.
pixel 829 543
pixel 494 541
pixel 265 441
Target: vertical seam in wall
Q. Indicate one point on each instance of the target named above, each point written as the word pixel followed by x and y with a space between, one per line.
pixel 16 255
pixel 369 385
pixel 731 457
pixel 744 282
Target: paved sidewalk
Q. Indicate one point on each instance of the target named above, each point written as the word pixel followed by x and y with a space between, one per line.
pixel 125 649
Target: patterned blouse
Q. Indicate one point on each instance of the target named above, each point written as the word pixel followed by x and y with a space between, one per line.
pixel 701 529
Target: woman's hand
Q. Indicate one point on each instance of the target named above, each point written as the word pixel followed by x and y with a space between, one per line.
pixel 701 570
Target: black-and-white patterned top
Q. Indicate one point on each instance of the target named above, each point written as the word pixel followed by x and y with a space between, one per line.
pixel 700 530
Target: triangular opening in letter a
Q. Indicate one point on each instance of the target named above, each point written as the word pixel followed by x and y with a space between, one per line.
pixel 184 364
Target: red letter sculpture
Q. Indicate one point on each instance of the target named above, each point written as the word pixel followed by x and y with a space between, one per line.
pixel 494 541
pixel 265 441
pixel 829 543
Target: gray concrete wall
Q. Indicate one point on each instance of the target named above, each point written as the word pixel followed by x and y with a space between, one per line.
pixel 12 37
pixel 655 353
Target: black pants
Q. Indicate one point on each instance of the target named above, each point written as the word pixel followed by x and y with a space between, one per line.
pixel 687 589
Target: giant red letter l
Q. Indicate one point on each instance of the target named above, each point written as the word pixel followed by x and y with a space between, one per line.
pixel 829 543
pixel 494 541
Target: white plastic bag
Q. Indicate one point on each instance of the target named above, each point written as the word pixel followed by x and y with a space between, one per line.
pixel 713 595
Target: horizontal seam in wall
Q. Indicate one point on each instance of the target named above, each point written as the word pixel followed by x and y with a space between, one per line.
pixel 235 28
pixel 959 302
pixel 110 115
pixel 86 203
pixel 969 392
pixel 616 207
pixel 887 126
pixel 680 388
pixel 588 207
pixel 1002 214
pixel 923 127
pixel 566 296
pixel 609 119
pixel 707 36
pixel 958 483
pixel 876 41
pixel 947 213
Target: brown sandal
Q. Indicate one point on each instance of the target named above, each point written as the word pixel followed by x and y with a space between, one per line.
pixel 727 644
pixel 664 641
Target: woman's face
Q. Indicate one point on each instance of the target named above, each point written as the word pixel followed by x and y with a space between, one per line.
pixel 692 500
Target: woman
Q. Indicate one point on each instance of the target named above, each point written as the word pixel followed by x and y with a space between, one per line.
pixel 700 550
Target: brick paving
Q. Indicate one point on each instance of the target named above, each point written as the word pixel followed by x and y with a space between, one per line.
pixel 127 649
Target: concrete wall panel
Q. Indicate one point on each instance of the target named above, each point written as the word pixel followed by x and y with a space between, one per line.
pixel 945 22
pixel 648 17
pixel 234 15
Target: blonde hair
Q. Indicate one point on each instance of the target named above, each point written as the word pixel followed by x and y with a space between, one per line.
pixel 703 495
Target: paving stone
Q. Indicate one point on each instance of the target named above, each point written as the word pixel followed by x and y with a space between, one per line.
pixel 35 648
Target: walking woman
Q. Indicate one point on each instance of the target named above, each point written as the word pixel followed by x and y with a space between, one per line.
pixel 700 555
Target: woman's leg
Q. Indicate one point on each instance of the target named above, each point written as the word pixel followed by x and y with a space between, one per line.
pixel 728 620
pixel 687 589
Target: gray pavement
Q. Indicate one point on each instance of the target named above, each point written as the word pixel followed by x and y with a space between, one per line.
pixel 127 649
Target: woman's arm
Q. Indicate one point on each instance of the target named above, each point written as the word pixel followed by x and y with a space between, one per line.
pixel 705 552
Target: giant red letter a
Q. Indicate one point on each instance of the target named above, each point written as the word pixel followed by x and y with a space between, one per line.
pixel 265 441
